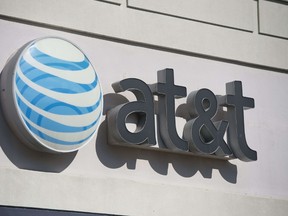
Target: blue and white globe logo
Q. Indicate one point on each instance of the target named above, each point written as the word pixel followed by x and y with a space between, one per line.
pixel 56 94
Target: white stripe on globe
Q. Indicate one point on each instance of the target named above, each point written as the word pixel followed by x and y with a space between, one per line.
pixel 71 120
pixel 85 99
pixel 67 136
pixel 84 76
pixel 60 49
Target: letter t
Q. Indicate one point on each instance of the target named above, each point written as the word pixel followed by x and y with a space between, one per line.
pixel 167 91
pixel 236 103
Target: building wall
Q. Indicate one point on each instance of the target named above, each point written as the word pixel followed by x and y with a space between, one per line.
pixel 207 43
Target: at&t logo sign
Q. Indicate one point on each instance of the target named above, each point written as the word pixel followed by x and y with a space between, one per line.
pixel 51 95
pixel 52 100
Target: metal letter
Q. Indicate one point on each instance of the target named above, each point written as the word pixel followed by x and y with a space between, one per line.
pixel 202 135
pixel 143 109
pixel 236 103
pixel 167 91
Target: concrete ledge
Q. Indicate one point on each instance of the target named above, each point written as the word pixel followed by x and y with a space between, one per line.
pixel 114 196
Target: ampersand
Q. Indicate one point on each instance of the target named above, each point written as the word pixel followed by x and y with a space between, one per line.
pixel 202 134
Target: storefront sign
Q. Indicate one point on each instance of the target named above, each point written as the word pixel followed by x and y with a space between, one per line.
pixel 52 100
pixel 201 134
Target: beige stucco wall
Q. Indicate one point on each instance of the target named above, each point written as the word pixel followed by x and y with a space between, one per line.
pixel 122 39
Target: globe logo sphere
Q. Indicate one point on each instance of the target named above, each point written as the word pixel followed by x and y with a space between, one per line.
pixel 57 95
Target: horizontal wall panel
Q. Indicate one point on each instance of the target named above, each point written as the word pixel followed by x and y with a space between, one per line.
pixel 100 19
pixel 230 13
pixel 73 193
pixel 273 18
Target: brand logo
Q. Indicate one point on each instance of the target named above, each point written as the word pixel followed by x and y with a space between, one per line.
pixel 51 95
pixel 52 100
pixel 203 133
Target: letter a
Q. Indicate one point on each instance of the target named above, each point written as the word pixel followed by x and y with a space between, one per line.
pixel 142 109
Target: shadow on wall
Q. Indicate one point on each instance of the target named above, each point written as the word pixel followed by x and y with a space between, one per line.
pixel 25 158
pixel 111 156
pixel 187 166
